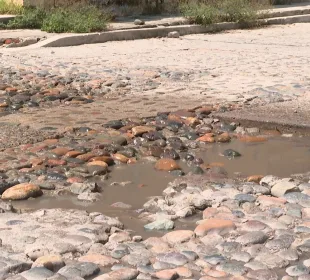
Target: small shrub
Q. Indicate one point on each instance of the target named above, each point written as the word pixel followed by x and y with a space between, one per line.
pixel 208 12
pixel 200 13
pixel 10 8
pixel 59 20
pixel 31 18
pixel 78 20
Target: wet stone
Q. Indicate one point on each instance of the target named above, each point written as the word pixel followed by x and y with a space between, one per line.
pixel 170 154
pixel 166 164
pixel 97 170
pixel 78 188
pixel 22 191
pixel 56 176
pixel 116 124
pixel 231 153
pixel 161 224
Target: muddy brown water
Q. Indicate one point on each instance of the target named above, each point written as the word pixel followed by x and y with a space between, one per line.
pixel 279 156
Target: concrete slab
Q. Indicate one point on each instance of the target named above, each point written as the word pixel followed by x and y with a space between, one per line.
pixel 6 18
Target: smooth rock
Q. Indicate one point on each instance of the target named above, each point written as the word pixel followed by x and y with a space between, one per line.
pixel 37 273
pixel 220 226
pixel 98 259
pixel 166 164
pixel 22 191
pixel 51 262
pixel 282 187
pixel 178 236
pixel 161 224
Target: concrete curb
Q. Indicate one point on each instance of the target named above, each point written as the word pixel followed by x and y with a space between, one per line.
pixel 146 33
pixel 6 18
pixel 133 34
pixel 286 13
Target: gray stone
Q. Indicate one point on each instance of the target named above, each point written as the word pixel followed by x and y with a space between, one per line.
pixel 162 224
pixel 113 222
pixel 304 186
pixel 61 277
pixel 305 246
pixel 241 256
pixel 83 270
pixel 138 22
pixel 37 273
pixel 119 253
pixel 135 259
pixel 297 197
pixel 172 258
pixel 78 188
pixel 297 270
pixel 290 255
pixel 241 198
pixel 214 259
pixel 147 269
pixel 271 261
pixel 257 189
pixel 174 34
pixel 234 268
pixel 304 277
pixel 8 265
pixel 91 197
pixel 191 255
pixel 16 277
pixel 255 265
pixel 254 237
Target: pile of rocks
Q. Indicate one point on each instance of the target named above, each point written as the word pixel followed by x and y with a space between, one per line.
pixel 245 230
pixel 83 156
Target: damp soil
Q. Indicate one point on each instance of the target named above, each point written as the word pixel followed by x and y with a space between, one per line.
pixel 135 184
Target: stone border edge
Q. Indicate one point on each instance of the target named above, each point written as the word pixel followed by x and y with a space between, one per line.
pixel 157 32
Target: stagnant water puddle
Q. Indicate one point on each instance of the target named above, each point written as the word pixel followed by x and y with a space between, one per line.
pixel 134 184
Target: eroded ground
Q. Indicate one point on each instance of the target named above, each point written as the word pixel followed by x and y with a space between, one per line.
pixel 169 193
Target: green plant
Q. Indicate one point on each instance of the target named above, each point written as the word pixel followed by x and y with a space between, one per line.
pixel 200 13
pixel 30 18
pixel 78 19
pixel 10 8
pixel 208 12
